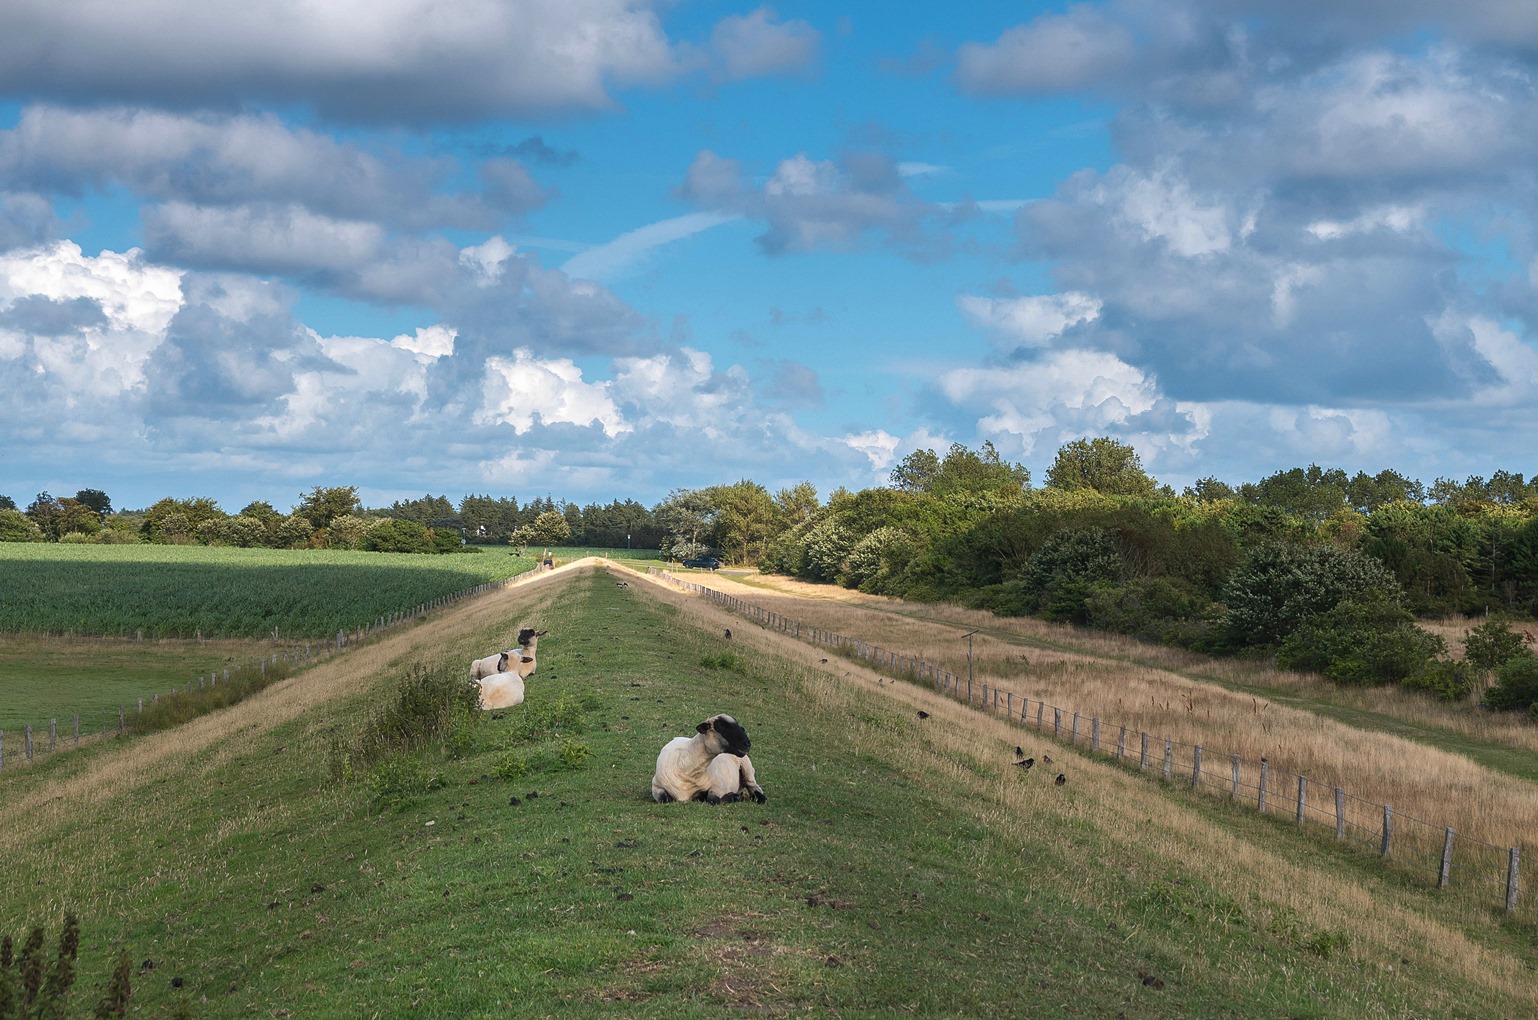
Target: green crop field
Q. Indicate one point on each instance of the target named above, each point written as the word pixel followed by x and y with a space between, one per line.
pixel 518 867
pixel 192 591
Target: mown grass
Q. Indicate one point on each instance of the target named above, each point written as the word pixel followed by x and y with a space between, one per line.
pixel 198 591
pixel 901 865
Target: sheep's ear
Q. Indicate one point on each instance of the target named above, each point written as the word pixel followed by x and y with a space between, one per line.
pixel 703 727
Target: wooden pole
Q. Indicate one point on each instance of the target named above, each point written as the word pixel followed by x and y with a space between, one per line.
pixel 1261 802
pixel 1057 721
pixel 1143 758
pixel 1094 733
pixel 1388 829
pixel 1340 813
pixel 1121 744
pixel 1511 880
pixel 1196 766
pixel 1447 860
pixel 1169 757
pixel 1302 798
pixel 1234 792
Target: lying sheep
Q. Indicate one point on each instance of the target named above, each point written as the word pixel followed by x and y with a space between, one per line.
pixel 501 690
pixel 520 660
pixel 511 660
pixel 712 765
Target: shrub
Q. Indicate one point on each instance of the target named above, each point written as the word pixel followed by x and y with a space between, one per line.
pixel 1492 644
pixel 1445 679
pixel 431 703
pixel 1367 643
pixel 1282 587
pixel 1153 608
pixel 1060 574
pixel 1516 685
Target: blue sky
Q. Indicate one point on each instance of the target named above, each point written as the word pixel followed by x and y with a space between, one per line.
pixel 602 249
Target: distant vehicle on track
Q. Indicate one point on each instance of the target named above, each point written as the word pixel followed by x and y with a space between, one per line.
pixel 703 562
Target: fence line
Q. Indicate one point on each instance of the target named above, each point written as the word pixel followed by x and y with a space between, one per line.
pixel 1423 847
pixel 294 656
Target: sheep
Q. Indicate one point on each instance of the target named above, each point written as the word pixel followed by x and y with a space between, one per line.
pixel 687 767
pixel 518 660
pixel 501 690
pixel 514 660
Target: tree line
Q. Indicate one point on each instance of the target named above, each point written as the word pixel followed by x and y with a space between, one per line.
pixel 1326 571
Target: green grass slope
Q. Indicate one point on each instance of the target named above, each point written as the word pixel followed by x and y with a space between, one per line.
pixel 902 866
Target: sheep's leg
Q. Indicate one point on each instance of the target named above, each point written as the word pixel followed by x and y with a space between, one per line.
pixel 750 781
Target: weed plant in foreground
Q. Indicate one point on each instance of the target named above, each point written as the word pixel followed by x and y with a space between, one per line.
pixel 901 866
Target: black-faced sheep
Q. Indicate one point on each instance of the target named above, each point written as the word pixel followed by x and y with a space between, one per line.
pixel 687 767
pixel 520 660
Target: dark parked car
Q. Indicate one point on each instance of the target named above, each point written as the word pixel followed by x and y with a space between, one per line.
pixel 703 562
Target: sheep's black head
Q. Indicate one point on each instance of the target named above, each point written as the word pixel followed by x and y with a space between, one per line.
pixel 729 734
pixel 528 634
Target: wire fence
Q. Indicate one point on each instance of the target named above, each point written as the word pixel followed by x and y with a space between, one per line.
pixel 1432 853
pixel 28 742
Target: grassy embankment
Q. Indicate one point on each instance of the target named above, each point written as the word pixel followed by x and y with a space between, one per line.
pixel 902 865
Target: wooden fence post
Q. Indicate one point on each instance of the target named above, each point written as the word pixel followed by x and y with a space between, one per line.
pixel 1340 813
pixel 1511 880
pixel 1302 798
pixel 1057 721
pixel 1388 829
pixel 1121 744
pixel 1196 766
pixel 1261 802
pixel 1025 707
pixel 1447 860
pixel 1234 793
pixel 1073 737
pixel 1094 733
pixel 1169 757
pixel 26 742
pixel 1143 759
pixel 1009 704
pixel 1041 706
pixel 53 734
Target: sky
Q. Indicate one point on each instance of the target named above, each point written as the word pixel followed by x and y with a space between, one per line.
pixel 605 249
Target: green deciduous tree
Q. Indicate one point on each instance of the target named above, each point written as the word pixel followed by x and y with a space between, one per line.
pixel 323 505
pixel 16 526
pixel 1102 464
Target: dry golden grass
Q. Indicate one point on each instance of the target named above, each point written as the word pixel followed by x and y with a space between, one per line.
pixel 1227 706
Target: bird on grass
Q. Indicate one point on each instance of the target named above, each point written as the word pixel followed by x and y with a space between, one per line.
pixel 728 632
pixel 1061 779
pixel 1019 751
pixel 1026 764
pixel 1046 759
pixel 923 714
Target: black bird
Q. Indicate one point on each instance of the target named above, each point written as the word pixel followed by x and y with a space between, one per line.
pixel 728 632
pixel 822 660
pixel 1019 752
pixel 1046 759
pixel 923 714
pixel 1027 763
pixel 1061 779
